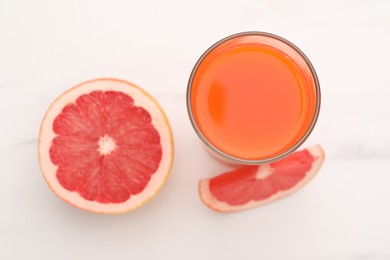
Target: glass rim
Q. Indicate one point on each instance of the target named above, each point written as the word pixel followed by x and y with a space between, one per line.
pixel 239 160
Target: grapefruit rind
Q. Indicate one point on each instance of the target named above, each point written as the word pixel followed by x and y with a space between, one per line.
pixel 210 201
pixel 141 99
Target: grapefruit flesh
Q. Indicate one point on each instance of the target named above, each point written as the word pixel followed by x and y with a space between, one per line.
pixel 255 185
pixel 105 146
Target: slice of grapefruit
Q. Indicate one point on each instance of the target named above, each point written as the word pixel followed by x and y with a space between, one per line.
pixel 252 186
pixel 105 146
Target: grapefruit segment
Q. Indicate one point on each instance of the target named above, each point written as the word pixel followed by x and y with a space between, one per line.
pixel 105 146
pixel 252 186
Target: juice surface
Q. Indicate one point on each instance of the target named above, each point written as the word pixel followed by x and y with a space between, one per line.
pixel 253 97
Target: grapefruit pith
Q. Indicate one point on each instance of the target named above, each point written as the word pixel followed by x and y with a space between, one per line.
pixel 105 146
pixel 255 185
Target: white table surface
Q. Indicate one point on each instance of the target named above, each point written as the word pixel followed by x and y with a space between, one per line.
pixel 47 47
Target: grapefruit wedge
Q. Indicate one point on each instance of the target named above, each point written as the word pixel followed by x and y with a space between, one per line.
pixel 105 146
pixel 252 186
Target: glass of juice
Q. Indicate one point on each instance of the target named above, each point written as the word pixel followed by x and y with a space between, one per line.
pixel 253 98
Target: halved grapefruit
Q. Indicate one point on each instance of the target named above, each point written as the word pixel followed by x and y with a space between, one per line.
pixel 105 146
pixel 252 186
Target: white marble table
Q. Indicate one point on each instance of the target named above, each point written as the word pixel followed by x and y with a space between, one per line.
pixel 49 46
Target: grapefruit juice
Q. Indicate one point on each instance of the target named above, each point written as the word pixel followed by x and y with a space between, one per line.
pixel 253 97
